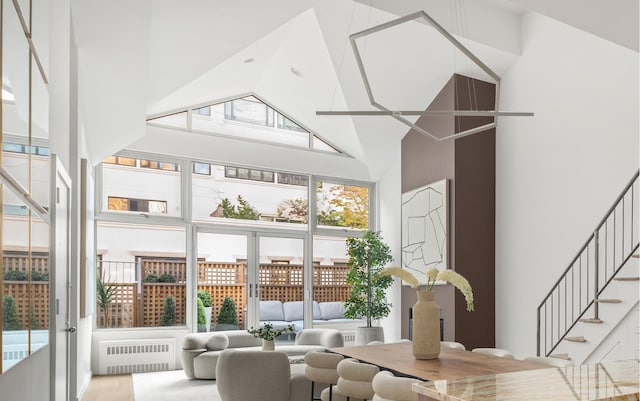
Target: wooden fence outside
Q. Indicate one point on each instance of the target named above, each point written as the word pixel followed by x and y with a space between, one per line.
pixel 141 304
pixel 39 262
pixel 221 280
pixel 38 312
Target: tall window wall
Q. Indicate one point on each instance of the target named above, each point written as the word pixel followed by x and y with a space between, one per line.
pixel 249 231
pixel 24 186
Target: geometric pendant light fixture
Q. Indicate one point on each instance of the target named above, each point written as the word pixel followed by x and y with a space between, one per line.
pixel 399 114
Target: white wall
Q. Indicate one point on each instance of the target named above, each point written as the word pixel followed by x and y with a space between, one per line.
pixel 558 172
pixel 389 202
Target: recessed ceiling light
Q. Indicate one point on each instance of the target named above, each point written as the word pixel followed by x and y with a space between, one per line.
pixel 249 60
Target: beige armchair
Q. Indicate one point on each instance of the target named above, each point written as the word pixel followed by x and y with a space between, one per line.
pixel 259 375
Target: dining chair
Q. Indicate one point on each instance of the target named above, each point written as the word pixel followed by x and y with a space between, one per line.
pixel 322 369
pixel 452 344
pixel 355 379
pixel 503 353
pixel 387 387
pixel 547 360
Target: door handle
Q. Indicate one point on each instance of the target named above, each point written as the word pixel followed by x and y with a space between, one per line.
pixel 70 329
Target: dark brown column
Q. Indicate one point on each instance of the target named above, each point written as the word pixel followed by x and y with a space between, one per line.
pixel 469 163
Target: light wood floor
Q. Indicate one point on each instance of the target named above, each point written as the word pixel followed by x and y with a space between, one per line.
pixel 109 388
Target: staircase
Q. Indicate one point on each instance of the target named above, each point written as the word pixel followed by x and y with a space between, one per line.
pixel 591 313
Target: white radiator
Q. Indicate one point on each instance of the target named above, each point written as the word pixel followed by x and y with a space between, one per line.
pixel 136 356
pixel 349 337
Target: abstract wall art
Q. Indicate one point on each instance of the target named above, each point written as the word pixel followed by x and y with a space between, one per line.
pixel 425 228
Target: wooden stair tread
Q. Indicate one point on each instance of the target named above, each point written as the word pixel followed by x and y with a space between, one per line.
pixel 608 301
pixel 627 278
pixel 561 356
pixel 591 320
pixel 578 339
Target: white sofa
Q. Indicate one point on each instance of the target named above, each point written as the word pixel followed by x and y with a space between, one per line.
pixel 200 351
pixel 326 314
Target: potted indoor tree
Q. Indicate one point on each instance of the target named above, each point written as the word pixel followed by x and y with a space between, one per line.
pixel 367 257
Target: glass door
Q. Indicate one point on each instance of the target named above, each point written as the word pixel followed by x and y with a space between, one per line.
pixel 280 277
pixel 222 281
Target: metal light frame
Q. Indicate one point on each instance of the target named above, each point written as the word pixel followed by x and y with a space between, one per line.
pixel 398 114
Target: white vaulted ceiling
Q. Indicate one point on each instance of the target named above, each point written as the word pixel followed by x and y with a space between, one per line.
pixel 152 56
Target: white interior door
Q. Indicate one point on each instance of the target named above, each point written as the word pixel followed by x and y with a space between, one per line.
pixel 60 266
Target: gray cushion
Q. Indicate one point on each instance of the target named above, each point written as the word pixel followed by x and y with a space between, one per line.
pixel 332 310
pixel 271 310
pixel 294 310
pixel 297 325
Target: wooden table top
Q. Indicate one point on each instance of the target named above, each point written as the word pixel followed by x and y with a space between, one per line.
pixel 451 364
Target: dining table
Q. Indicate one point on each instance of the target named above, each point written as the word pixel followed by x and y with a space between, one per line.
pixel 450 364
pixel 460 375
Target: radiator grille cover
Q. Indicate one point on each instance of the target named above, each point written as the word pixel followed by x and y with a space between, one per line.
pixel 136 356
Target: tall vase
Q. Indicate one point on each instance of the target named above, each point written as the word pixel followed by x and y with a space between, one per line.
pixel 426 327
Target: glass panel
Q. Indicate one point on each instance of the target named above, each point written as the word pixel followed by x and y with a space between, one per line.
pixel 141 275
pixel 153 188
pixel 341 205
pixel 259 122
pixel 319 144
pixel 39 298
pixel 178 120
pixel 209 118
pixel 249 110
pixel 15 79
pixel 330 287
pixel 254 196
pixel 285 123
pixel 202 168
pixel 280 276
pixel 222 280
pixel 25 272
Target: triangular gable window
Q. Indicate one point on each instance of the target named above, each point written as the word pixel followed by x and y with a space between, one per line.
pixel 247 117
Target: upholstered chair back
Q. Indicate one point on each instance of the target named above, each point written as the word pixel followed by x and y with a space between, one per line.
pixel 503 353
pixel 253 375
pixel 322 369
pixel 452 344
pixel 388 387
pixel 328 338
pixel 355 379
